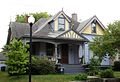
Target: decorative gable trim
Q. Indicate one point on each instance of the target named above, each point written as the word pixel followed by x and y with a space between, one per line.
pixel 62 13
pixel 90 21
pixel 71 34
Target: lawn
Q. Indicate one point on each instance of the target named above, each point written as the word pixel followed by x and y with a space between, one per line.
pixel 36 78
pixel 41 78
pixel 117 74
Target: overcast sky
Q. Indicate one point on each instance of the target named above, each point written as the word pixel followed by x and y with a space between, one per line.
pixel 106 10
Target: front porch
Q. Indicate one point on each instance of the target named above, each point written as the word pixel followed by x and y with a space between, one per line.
pixel 64 53
pixel 61 51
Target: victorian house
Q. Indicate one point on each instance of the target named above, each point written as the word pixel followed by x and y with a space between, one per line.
pixel 61 38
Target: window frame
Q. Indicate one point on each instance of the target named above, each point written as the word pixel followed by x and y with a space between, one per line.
pixel 59 29
pixel 93 29
pixel 52 26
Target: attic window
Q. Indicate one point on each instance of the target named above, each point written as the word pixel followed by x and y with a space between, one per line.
pixel 61 23
pixel 93 27
pixel 52 26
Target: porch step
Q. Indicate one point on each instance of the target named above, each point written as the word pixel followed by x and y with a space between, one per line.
pixel 72 69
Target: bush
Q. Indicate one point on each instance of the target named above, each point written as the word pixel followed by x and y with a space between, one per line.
pixel 117 65
pixel 94 66
pixel 81 76
pixel 108 73
pixel 17 57
pixel 42 66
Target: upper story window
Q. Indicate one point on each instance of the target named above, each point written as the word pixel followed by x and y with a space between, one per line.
pixel 52 26
pixel 93 27
pixel 61 23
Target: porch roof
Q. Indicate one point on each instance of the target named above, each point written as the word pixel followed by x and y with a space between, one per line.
pixel 71 35
pixel 55 40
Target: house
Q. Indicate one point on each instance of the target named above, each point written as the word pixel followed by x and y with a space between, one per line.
pixel 2 60
pixel 61 38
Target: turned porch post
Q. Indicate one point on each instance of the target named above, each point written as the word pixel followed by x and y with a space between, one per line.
pixel 56 54
pixel 83 52
pixel 80 53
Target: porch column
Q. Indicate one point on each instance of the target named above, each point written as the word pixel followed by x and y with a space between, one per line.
pixel 80 53
pixel 83 52
pixel 56 54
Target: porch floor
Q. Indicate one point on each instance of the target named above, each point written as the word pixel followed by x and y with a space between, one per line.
pixel 73 68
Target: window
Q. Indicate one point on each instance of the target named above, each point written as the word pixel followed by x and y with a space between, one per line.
pixel 49 49
pixel 93 27
pixel 61 23
pixel 52 26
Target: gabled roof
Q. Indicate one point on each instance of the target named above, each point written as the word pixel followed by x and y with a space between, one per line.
pixel 42 27
pixel 59 35
pixel 87 22
pixel 18 30
pixel 52 19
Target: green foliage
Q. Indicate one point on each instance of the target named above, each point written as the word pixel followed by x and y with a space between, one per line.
pixel 81 76
pixel 42 66
pixel 114 32
pixel 94 66
pixel 109 43
pixel 117 65
pixel 21 18
pixel 17 57
pixel 108 73
pixel 37 16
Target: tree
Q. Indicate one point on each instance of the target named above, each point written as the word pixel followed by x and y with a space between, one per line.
pixel 94 66
pixel 22 18
pixel 17 57
pixel 114 32
pixel 109 43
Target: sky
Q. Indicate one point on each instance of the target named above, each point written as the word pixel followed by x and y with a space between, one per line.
pixel 106 10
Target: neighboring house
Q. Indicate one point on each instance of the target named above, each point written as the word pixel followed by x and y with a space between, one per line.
pixel 2 60
pixel 61 38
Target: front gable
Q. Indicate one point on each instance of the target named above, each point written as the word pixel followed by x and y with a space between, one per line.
pixel 99 30
pixel 99 27
pixel 54 24
pixel 57 24
pixel 71 35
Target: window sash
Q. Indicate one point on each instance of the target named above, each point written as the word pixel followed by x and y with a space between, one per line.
pixel 93 28
pixel 61 24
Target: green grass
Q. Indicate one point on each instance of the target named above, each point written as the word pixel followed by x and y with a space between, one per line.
pixel 41 78
pixel 37 78
pixel 117 74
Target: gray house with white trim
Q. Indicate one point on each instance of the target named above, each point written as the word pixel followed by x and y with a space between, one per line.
pixel 61 38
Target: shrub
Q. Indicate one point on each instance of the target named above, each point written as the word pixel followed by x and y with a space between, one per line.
pixel 108 73
pixel 81 76
pixel 117 65
pixel 42 66
pixel 93 66
pixel 17 57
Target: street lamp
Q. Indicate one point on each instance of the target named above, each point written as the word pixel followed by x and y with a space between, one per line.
pixel 31 20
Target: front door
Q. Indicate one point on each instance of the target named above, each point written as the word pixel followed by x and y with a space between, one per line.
pixel 73 54
pixel 64 54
